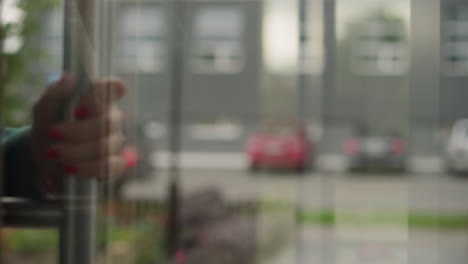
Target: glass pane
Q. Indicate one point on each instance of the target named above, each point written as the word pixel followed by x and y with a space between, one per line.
pixel 273 131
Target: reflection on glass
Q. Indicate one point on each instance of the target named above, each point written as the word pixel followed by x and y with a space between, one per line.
pixel 280 36
pixel 142 39
pixel 455 47
pixel 218 33
pixel 381 180
pixel 221 129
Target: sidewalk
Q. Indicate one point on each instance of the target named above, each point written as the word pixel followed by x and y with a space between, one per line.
pixel 375 246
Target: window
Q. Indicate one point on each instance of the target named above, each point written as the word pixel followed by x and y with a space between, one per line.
pixel 143 47
pixel 380 48
pixel 218 33
pixel 456 42
pixel 215 129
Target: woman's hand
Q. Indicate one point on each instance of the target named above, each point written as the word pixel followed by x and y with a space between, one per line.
pixel 89 146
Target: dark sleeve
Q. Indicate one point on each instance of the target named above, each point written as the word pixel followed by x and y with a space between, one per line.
pixel 18 178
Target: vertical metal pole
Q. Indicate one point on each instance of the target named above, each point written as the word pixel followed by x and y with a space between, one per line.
pixel 175 118
pixel 2 89
pixel 302 80
pixel 78 227
pixel 301 100
pixel 106 49
pixel 328 111
pixel 328 119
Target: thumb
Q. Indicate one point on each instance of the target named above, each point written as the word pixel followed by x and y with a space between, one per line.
pixel 102 95
pixel 51 102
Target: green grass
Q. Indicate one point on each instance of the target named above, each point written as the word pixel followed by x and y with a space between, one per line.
pixel 410 219
pixel 148 237
pixel 30 242
pixel 424 220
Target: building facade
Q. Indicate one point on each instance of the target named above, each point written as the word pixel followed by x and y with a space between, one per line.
pixel 388 71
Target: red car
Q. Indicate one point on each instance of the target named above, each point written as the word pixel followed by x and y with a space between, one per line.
pixel 280 145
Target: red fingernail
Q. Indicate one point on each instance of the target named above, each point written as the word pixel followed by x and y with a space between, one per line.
pixel 55 134
pixel 52 153
pixel 131 158
pixel 81 113
pixel 69 168
pixel 180 256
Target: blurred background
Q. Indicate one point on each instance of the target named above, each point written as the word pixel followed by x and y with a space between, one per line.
pixel 296 131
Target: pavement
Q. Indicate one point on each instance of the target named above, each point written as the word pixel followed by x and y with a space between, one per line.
pixel 375 246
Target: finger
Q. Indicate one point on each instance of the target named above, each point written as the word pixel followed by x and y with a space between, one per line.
pixel 100 97
pixel 89 129
pixel 101 148
pixel 108 168
pixel 46 108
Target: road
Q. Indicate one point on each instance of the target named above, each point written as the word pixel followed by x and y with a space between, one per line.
pixel 383 192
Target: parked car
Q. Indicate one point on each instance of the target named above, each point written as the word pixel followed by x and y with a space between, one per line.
pixel 280 145
pixel 457 147
pixel 375 151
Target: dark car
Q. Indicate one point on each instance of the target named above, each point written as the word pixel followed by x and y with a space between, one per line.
pixel 375 151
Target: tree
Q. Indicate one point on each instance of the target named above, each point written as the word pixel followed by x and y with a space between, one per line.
pixel 17 65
